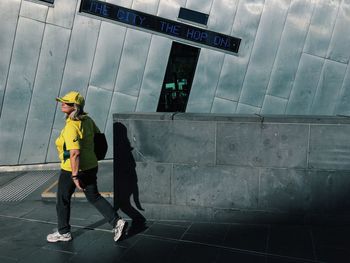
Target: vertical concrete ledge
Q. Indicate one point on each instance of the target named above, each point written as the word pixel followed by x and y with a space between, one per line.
pixel 238 168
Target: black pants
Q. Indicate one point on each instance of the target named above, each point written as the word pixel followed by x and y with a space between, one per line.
pixel 65 190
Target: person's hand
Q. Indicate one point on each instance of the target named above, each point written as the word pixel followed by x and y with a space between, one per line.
pixel 78 184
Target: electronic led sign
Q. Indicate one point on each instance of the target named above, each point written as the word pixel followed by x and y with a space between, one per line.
pixel 161 25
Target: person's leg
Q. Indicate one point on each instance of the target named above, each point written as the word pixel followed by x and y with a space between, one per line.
pixel 65 190
pixel 138 223
pixel 93 196
pixel 101 204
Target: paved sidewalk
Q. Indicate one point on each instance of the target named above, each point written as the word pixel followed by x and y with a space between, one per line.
pixel 24 225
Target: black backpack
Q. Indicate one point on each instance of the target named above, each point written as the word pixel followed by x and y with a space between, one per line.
pixel 100 146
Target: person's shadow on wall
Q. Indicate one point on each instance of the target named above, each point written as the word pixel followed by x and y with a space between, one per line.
pixel 125 180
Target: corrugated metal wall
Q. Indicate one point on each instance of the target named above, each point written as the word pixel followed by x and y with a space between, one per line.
pixel 293 59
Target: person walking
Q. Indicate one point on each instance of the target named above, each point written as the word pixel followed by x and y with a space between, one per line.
pixel 79 166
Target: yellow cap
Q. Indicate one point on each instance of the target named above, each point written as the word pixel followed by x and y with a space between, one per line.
pixel 72 97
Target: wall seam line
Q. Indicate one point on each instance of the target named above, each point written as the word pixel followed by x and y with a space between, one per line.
pixel 10 61
pixel 61 82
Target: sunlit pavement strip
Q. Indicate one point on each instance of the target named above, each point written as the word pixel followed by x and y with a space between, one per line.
pixel 50 193
pixel 19 188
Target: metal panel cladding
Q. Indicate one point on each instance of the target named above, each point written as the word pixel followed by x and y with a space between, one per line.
pixel 293 58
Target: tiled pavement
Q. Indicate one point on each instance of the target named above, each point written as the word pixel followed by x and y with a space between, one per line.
pixel 25 224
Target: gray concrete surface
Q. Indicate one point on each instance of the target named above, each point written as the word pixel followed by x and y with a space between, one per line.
pixel 228 168
pixel 25 224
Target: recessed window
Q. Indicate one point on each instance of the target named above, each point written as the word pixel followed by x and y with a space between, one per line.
pixel 193 16
pixel 178 78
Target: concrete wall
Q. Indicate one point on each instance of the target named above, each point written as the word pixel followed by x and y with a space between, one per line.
pixel 240 168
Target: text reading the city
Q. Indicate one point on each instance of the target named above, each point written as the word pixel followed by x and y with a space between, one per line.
pixel 160 25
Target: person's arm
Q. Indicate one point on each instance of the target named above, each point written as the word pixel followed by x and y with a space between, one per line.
pixel 74 163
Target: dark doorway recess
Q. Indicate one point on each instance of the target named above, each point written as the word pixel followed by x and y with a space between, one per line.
pixel 178 78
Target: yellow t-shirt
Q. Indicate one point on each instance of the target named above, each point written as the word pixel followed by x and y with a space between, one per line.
pixel 78 135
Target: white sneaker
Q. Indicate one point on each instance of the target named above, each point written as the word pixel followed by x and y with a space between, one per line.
pixel 119 229
pixel 55 237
